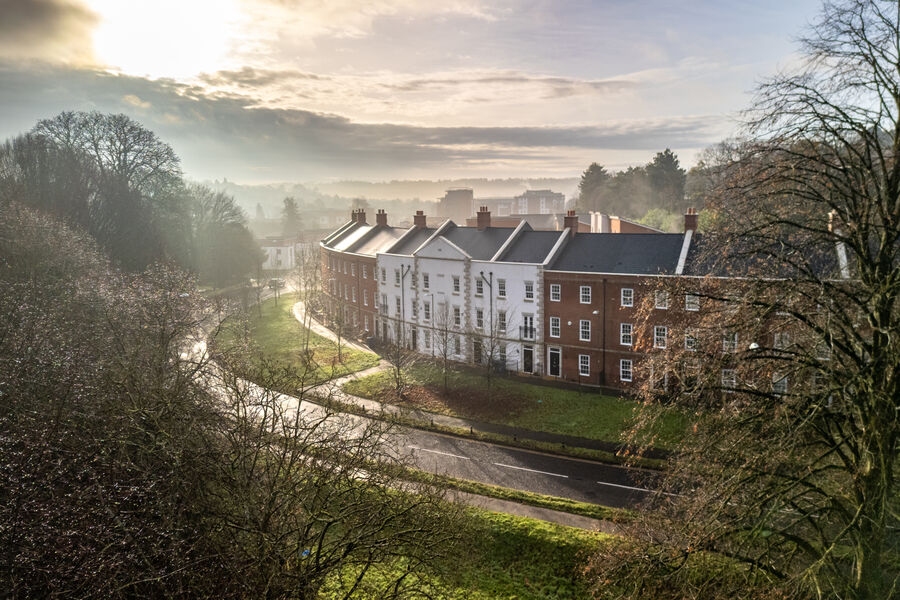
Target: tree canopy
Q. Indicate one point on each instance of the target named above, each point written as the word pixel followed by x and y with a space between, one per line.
pixel 791 369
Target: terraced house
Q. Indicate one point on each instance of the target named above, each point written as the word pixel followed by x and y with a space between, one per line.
pixel 555 304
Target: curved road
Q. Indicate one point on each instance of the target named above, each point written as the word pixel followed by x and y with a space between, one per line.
pixel 581 480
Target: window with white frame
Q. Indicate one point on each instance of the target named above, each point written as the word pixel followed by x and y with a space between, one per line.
pixel 355 320
pixel 729 379
pixel 626 337
pixel 554 327
pixel 729 341
pixel 384 304
pixel 584 330
pixel 353 294
pixel 457 345
pixel 353 269
pixel 345 266
pixel 501 321
pixel 479 286
pixel 366 322
pixel 479 318
pixel 426 311
pixel 690 340
pixel 584 294
pixel 627 297
pixel 346 291
pixel 692 302
pixel 584 365
pixel 625 370
pixel 396 276
pixel 365 271
pixel 427 336
pixel 456 284
pixel 426 282
pixel 501 288
pixel 661 299
pixel 397 304
pixel 365 297
pixel 779 383
pixel 383 275
pixel 660 333
pixel 502 354
pixel 529 290
pixel 555 292
pixel 415 310
pixel 781 340
pixel 457 316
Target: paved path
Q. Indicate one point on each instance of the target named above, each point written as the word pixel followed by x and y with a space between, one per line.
pixel 299 311
pixel 425 417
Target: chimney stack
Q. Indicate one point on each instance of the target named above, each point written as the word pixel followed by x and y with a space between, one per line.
pixel 571 222
pixel 361 216
pixel 381 218
pixel 484 218
pixel 419 220
pixel 690 220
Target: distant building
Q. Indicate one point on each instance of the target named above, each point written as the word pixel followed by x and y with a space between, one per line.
pixel 541 202
pixel 280 253
pixel 457 204
pixel 550 222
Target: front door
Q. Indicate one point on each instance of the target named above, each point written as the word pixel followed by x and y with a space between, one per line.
pixel 528 359
pixel 555 362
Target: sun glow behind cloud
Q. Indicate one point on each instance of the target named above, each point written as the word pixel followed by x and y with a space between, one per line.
pixel 165 38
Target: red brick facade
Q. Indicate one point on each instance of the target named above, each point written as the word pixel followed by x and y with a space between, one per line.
pixel 351 287
pixel 605 312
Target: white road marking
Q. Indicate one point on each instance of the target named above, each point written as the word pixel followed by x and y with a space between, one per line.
pixel 441 453
pixel 638 489
pixel 530 470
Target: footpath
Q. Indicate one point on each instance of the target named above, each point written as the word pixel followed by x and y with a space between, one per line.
pixel 445 421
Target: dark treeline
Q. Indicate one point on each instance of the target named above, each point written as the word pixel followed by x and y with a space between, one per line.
pixel 131 466
pixel 120 183
pixel 656 194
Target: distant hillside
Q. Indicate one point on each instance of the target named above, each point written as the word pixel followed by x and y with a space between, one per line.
pixel 427 190
pixel 403 197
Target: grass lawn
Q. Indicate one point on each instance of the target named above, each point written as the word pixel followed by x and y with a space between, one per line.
pixel 279 337
pixel 510 557
pixel 516 403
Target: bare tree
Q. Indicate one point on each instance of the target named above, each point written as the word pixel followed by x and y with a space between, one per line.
pixel 445 340
pixel 790 470
pixel 401 353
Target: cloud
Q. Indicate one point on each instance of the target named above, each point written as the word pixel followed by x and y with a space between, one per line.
pixel 225 135
pixel 56 30
pixel 351 18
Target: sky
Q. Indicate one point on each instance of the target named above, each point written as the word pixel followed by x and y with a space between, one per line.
pixel 260 91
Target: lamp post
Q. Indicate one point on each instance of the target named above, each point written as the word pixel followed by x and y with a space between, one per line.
pixel 490 284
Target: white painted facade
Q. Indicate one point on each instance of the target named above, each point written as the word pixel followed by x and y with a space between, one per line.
pixel 437 287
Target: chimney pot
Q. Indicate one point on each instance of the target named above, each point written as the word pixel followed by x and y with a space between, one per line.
pixel 570 221
pixel 690 220
pixel 483 218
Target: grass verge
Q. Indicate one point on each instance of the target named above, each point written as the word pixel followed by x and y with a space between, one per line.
pixel 504 440
pixel 585 509
pixel 516 403
pixel 272 332
pixel 508 557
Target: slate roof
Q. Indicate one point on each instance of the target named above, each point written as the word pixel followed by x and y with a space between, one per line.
pixel 742 257
pixel 531 247
pixel 480 245
pixel 415 239
pixel 379 240
pixel 632 253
